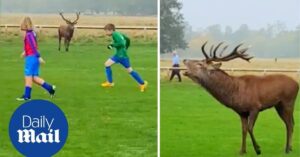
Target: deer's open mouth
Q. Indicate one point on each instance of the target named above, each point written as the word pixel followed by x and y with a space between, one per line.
pixel 187 73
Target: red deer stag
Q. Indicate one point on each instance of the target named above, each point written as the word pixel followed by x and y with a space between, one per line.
pixel 247 95
pixel 66 31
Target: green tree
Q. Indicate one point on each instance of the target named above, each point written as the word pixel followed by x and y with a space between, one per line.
pixel 171 26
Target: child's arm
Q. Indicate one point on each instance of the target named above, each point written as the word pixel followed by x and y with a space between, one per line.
pixel 118 41
pixel 41 60
pixel 22 54
pixel 109 46
pixel 127 42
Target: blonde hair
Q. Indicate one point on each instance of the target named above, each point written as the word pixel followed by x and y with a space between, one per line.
pixel 26 24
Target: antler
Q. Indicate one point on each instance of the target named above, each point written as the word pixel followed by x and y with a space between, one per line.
pixel 203 50
pixel 221 53
pixel 77 17
pixel 234 54
pixel 61 14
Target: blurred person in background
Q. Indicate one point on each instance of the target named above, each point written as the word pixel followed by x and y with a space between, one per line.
pixel 175 64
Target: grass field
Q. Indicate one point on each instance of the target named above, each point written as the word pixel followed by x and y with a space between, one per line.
pixel 116 122
pixel 193 123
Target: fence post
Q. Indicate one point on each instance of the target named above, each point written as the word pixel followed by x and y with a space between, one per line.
pixel 5 28
pixel 145 31
pixel 40 32
pixel 40 29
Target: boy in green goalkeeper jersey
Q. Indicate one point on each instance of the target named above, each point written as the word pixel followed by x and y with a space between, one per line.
pixel 121 44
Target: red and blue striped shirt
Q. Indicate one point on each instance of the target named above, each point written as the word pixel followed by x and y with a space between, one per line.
pixel 30 44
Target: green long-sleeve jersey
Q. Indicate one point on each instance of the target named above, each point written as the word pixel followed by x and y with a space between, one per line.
pixel 121 43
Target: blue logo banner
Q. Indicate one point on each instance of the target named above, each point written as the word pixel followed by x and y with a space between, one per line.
pixel 38 128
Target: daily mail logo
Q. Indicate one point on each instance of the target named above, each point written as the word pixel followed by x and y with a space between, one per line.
pixel 28 135
pixel 38 128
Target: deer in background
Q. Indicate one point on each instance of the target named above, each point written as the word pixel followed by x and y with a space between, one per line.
pixel 66 31
pixel 247 95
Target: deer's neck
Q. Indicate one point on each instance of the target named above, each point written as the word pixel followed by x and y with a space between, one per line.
pixel 220 85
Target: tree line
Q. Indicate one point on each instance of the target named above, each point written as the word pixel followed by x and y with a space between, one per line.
pixel 272 41
pixel 116 7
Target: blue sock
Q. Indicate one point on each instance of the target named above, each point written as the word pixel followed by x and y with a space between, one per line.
pixel 137 77
pixel 27 93
pixel 47 86
pixel 109 74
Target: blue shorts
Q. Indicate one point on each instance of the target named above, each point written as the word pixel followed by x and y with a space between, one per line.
pixel 32 66
pixel 123 61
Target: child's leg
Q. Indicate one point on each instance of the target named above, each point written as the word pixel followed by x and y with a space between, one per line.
pixel 135 75
pixel 43 83
pixel 28 71
pixel 126 63
pixel 108 70
pixel 28 85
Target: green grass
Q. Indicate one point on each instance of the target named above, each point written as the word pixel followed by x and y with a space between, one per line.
pixel 116 122
pixel 193 123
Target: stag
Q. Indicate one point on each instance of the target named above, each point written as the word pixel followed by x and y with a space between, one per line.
pixel 247 95
pixel 66 31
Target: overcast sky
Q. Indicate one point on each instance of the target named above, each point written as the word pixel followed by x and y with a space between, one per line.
pixel 255 13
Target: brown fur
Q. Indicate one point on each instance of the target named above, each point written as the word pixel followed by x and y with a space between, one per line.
pixel 248 95
pixel 66 31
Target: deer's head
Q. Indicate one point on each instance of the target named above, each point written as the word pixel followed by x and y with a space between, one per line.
pixel 198 68
pixel 68 21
